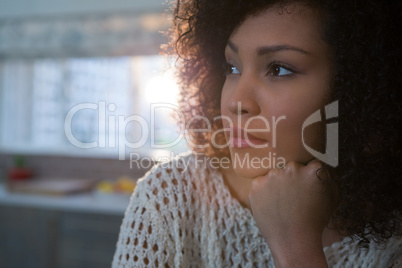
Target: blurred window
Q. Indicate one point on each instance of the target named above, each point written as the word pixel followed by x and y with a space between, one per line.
pixel 89 106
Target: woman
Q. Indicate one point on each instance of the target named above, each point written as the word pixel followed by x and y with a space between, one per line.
pixel 272 191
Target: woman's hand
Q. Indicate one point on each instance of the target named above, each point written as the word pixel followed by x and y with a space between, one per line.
pixel 291 207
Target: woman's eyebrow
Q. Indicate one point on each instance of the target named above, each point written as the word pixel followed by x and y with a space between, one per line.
pixel 233 46
pixel 275 48
pixel 269 49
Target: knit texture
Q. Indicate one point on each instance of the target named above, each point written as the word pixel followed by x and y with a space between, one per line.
pixel 182 214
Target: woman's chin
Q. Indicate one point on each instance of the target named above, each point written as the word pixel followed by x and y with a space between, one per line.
pixel 254 164
pixel 250 172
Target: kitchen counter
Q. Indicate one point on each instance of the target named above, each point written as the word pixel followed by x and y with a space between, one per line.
pixel 92 202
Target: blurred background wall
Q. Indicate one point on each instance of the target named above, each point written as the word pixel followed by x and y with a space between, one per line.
pixel 44 28
pixel 62 205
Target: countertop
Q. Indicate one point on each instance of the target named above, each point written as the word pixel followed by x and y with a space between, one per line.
pixel 91 202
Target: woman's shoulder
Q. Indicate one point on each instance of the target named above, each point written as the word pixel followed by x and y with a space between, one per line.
pixel 348 253
pixel 388 254
pixel 154 215
pixel 182 174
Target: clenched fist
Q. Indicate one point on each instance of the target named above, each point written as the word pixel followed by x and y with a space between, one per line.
pixel 292 207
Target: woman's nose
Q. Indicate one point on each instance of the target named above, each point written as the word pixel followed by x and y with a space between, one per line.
pixel 244 100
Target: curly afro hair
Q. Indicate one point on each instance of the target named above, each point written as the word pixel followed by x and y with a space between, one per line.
pixel 365 38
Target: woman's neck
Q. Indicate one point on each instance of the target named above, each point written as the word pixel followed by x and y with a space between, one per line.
pixel 239 187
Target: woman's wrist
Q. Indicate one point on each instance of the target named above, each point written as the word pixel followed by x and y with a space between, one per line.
pixel 298 253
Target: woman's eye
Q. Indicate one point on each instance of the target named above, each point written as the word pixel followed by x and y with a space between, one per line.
pixel 230 69
pixel 278 70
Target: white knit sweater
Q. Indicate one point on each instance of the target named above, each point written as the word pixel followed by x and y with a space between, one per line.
pixel 182 214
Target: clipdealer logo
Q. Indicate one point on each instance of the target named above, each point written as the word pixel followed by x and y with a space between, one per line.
pixel 330 156
pixel 117 137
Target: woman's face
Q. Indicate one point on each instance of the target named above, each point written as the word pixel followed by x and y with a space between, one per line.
pixel 279 72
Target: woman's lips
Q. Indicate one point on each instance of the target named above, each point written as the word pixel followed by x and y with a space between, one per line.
pixel 239 138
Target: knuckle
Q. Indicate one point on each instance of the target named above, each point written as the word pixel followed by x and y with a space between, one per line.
pixel 290 166
pixel 313 173
pixel 314 164
pixel 273 173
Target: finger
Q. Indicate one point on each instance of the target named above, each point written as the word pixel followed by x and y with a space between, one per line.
pixel 314 166
pixel 293 166
pixel 314 161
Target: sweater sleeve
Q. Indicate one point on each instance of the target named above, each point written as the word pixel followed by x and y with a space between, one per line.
pixel 393 253
pixel 144 239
